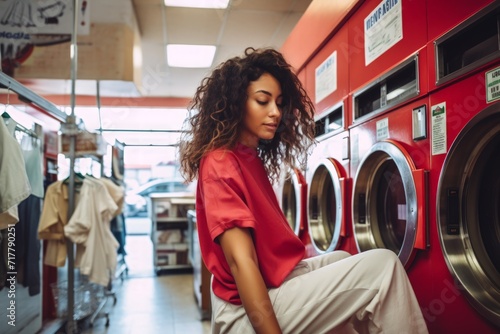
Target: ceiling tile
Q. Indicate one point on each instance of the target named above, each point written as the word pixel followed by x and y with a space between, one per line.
pixel 193 26
pixel 265 5
pixel 251 28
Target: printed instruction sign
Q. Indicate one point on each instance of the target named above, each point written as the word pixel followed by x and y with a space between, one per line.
pixel 383 29
pixel 438 128
pixel 382 129
pixel 493 85
pixel 326 77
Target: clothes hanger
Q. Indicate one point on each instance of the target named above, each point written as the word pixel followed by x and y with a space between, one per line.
pixel 79 177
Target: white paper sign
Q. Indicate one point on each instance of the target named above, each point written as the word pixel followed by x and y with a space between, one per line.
pixel 22 19
pixel 383 29
pixel 382 129
pixel 438 125
pixel 493 85
pixel 326 77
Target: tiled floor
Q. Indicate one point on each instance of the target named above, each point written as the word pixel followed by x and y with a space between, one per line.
pixel 147 303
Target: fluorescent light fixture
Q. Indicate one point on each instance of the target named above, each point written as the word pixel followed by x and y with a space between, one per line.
pixel 194 56
pixel 219 4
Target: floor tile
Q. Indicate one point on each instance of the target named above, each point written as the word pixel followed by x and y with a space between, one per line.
pixel 147 303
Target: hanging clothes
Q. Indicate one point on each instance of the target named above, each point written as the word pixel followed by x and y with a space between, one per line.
pixel 33 159
pixel 54 218
pixel 52 221
pixel 14 183
pixel 26 213
pixel 119 231
pixel 90 226
pixel 116 192
pixel 117 224
pixel 28 245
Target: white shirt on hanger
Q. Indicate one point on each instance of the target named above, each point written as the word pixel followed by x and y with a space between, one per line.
pixel 90 226
pixel 14 183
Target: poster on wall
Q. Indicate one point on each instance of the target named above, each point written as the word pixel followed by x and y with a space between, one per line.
pixel 28 23
pixel 383 29
pixel 326 77
pixel 34 17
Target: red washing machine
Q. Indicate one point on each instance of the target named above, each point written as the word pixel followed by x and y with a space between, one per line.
pixel 390 164
pixel 465 191
pixel 382 34
pixel 327 172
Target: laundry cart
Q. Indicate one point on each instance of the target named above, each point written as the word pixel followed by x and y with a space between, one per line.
pixel 169 231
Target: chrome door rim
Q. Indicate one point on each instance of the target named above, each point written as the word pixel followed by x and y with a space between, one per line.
pixel 294 182
pixel 314 187
pixel 480 288
pixel 379 153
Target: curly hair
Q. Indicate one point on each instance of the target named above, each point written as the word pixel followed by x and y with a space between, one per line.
pixel 218 109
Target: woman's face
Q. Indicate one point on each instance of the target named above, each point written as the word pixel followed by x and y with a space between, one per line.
pixel 262 110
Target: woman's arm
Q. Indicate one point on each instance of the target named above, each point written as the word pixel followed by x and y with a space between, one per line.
pixel 239 250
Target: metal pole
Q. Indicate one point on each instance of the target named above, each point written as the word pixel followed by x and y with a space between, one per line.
pixel 71 324
pixel 98 98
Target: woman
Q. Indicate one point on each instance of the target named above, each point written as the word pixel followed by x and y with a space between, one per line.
pixel 253 118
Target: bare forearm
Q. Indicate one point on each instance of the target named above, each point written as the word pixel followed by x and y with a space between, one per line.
pixel 255 299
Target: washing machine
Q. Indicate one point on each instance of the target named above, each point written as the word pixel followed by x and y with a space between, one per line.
pixel 465 190
pixel 390 167
pixel 327 171
pixel 328 200
pixel 292 193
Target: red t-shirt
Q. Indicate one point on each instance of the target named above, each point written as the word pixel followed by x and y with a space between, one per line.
pixel 234 191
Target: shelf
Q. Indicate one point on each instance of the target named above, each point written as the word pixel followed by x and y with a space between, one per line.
pixel 162 226
pixel 169 230
pixel 171 219
pixel 187 196
pixel 172 247
pixel 173 266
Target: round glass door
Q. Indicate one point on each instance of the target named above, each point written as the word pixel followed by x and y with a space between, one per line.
pixel 385 201
pixel 325 206
pixel 290 201
pixel 468 211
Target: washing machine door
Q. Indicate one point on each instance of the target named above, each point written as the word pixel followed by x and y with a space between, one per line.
pixel 468 211
pixel 388 202
pixel 292 199
pixel 327 206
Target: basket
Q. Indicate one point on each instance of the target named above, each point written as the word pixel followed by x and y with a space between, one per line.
pixel 87 298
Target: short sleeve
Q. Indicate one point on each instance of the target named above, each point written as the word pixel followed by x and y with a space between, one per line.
pixel 224 195
pixel 47 228
pixel 106 204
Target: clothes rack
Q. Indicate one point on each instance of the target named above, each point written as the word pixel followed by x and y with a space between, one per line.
pixel 32 98
pixel 46 108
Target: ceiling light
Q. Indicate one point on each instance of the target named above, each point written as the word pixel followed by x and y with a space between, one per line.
pixel 198 3
pixel 195 56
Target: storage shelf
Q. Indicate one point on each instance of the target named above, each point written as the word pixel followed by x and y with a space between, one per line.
pixel 169 230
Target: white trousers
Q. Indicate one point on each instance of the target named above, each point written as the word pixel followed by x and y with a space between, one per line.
pixel 336 293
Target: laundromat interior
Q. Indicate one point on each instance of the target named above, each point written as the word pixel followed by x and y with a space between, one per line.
pixel 406 155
